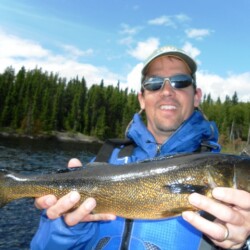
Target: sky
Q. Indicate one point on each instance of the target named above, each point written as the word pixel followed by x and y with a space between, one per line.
pixel 110 39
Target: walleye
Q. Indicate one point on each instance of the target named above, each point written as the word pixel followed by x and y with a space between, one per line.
pixel 151 189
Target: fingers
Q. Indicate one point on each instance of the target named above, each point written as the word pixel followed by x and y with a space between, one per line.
pixel 45 202
pixel 231 226
pixel 236 197
pixel 80 214
pixel 209 228
pixel 99 217
pixel 63 205
pixel 220 234
pixel 74 163
pixel 219 210
pixel 83 213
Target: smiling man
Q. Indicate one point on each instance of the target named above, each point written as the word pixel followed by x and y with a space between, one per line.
pixel 169 94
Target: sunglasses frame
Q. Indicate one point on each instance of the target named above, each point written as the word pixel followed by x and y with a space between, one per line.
pixel 160 82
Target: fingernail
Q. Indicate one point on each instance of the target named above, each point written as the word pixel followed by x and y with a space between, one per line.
pixel 74 196
pixel 218 193
pixel 89 204
pixel 194 199
pixel 111 217
pixel 187 215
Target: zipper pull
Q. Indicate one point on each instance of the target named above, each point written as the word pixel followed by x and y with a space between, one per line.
pixel 158 151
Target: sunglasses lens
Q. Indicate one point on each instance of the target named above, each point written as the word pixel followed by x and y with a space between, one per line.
pixel 181 81
pixel 177 82
pixel 153 83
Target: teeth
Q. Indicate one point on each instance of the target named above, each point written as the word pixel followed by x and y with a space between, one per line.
pixel 168 107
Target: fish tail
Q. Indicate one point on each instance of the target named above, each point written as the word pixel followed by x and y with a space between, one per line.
pixel 3 188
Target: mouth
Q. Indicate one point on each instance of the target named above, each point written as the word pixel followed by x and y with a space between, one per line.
pixel 168 107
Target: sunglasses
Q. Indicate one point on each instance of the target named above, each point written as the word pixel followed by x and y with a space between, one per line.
pixel 154 83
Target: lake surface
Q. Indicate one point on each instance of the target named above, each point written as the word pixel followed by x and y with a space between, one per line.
pixel 19 220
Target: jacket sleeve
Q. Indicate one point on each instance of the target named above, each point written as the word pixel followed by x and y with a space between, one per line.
pixel 55 234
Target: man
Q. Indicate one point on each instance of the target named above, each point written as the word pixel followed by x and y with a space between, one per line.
pixel 170 98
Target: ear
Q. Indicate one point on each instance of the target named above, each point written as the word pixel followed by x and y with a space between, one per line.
pixel 197 97
pixel 141 100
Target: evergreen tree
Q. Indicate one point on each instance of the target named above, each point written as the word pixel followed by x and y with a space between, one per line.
pixel 18 111
pixel 7 99
pixel 235 99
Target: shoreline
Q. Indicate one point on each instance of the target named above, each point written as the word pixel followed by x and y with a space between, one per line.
pixel 60 136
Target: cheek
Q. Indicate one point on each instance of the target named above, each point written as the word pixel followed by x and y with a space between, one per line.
pixel 150 102
pixel 190 98
pixel 147 100
pixel 188 102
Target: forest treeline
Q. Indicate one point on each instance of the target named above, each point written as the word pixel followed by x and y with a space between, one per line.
pixel 37 101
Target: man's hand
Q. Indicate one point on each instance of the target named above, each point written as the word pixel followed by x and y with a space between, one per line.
pixel 231 207
pixel 56 208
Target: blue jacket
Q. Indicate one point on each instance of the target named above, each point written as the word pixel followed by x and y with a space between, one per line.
pixel 170 234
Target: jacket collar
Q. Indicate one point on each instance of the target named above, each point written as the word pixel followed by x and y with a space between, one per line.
pixel 187 138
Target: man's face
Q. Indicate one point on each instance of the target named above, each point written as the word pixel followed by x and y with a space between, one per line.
pixel 167 108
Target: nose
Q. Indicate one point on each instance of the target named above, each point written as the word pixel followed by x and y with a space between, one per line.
pixel 167 89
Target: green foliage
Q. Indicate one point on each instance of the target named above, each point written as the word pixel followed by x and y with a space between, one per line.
pixel 232 117
pixel 34 101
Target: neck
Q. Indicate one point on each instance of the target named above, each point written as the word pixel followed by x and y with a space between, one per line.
pixel 162 137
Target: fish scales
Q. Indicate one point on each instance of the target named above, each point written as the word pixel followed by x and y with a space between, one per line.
pixel 152 189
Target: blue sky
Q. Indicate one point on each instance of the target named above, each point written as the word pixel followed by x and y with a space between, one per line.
pixel 109 39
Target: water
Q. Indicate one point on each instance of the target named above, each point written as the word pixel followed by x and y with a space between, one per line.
pixel 19 220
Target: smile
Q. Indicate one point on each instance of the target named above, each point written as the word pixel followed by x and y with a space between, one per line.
pixel 168 107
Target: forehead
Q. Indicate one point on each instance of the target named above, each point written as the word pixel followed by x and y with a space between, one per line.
pixel 168 64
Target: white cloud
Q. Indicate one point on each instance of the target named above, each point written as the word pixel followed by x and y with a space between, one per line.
pixel 128 33
pixel 74 52
pixel 134 78
pixel 220 87
pixel 12 46
pixel 128 40
pixel 182 17
pixel 197 33
pixel 91 73
pixel 127 30
pixel 170 21
pixel 144 49
pixel 18 52
pixel 162 20
pixel 192 51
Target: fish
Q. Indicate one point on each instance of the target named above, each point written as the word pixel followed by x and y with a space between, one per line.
pixel 151 189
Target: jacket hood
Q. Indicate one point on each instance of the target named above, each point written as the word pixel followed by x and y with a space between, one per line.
pixel 187 138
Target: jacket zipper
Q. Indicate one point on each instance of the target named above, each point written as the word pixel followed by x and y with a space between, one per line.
pixel 158 150
pixel 126 234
